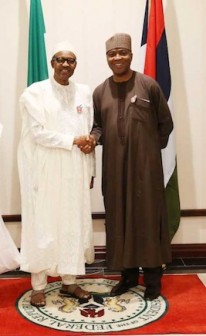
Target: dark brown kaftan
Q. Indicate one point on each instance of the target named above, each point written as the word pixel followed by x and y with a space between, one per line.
pixel 133 123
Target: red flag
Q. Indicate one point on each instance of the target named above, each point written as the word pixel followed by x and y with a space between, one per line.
pixel 157 67
pixel 155 31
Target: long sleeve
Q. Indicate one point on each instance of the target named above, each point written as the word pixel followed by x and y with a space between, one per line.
pixel 163 115
pixel 97 126
pixel 48 138
pixel 36 104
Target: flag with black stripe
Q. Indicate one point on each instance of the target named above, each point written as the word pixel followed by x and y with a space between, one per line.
pixel 157 66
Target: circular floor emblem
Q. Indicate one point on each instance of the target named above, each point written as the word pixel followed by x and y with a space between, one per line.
pixel 101 313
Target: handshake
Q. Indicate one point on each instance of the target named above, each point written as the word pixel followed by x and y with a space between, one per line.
pixel 85 143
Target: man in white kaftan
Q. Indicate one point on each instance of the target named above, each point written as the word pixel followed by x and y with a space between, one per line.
pixel 55 178
pixel 9 254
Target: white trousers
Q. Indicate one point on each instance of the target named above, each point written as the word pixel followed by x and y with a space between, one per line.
pixel 39 280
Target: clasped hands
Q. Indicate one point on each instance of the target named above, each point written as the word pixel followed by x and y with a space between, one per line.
pixel 85 143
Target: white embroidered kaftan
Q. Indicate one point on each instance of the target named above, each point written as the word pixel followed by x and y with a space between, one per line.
pixel 57 235
pixel 9 254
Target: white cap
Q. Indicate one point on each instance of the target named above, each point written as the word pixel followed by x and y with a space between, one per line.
pixel 64 46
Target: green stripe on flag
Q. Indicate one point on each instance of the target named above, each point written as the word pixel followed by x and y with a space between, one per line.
pixel 157 66
pixel 37 60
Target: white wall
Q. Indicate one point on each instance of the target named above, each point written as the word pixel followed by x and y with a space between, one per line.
pixel 87 24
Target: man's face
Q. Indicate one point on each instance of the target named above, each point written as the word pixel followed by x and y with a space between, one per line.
pixel 64 64
pixel 119 60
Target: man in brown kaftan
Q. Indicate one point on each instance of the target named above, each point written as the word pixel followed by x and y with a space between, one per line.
pixel 133 124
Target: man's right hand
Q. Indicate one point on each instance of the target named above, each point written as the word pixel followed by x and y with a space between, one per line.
pixel 85 143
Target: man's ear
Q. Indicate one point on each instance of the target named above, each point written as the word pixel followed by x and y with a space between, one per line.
pixel 52 63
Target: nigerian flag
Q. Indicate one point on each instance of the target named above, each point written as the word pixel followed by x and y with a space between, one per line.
pixel 157 66
pixel 37 60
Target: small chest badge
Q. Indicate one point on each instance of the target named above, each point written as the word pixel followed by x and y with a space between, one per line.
pixel 80 109
pixel 133 99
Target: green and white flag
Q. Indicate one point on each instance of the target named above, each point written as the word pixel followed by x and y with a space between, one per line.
pixel 37 60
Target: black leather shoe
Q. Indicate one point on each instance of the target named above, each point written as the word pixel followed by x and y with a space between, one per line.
pixel 123 286
pixel 151 293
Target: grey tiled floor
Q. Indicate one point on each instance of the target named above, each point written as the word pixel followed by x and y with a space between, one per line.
pixel 178 265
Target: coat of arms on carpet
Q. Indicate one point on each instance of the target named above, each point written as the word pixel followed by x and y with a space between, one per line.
pixel 101 313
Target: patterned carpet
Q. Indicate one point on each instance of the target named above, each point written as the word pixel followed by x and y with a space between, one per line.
pixel 180 309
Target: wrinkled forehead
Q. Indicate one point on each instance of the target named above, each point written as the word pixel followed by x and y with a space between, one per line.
pixel 121 51
pixel 65 53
